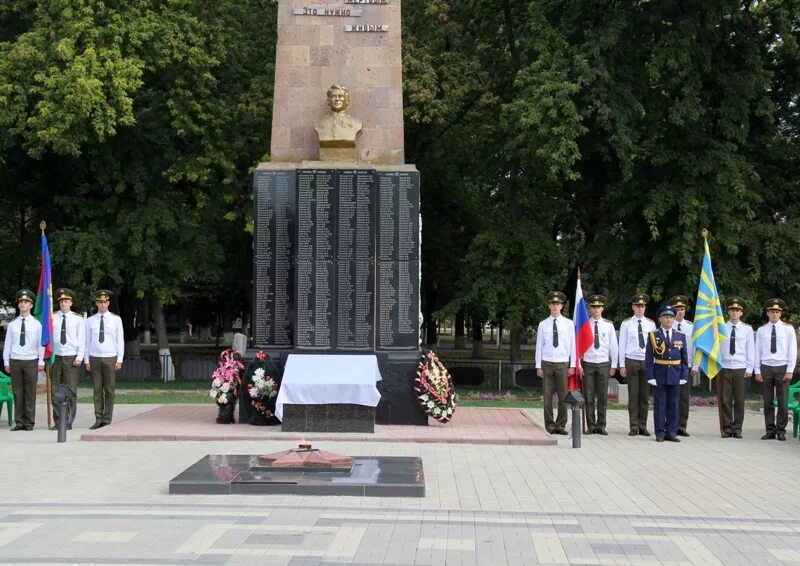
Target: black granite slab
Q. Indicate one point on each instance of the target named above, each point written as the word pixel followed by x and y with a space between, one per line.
pixel 384 476
pixel 332 417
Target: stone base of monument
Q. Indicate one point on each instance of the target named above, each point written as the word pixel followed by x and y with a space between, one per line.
pixel 385 476
pixel 328 418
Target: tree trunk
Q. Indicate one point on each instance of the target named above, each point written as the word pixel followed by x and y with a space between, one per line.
pixel 460 340
pixel 127 311
pixel 499 342
pixel 477 340
pixel 515 336
pixel 144 320
pixel 167 369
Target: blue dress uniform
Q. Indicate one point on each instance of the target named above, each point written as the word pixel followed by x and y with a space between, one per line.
pixel 666 363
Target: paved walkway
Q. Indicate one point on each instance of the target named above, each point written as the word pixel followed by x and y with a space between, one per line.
pixel 617 500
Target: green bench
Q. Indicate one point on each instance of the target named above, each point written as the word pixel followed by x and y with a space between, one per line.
pixel 6 397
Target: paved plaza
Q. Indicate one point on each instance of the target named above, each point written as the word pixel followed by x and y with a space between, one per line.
pixel 617 500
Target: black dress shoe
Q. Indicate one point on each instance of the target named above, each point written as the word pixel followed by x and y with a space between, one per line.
pixel 29 428
pixel 18 427
pixel 673 439
pixel 659 439
pixel 737 434
pixel 643 432
pixel 69 427
pixel 768 436
pixel 589 431
pixel 633 433
pixel 96 425
pixel 601 431
pixel 561 431
pixel 683 433
pixel 781 436
pixel 727 434
pixel 54 427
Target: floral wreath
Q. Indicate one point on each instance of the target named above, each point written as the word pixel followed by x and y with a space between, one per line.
pixel 226 378
pixel 434 388
pixel 263 380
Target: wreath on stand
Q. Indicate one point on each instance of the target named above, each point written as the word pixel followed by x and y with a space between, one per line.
pixel 434 389
pixel 225 383
pixel 263 379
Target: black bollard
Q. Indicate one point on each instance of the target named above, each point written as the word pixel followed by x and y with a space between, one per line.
pixel 63 415
pixel 575 400
pixel 62 398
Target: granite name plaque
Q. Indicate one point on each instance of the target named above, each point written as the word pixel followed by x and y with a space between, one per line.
pixel 273 257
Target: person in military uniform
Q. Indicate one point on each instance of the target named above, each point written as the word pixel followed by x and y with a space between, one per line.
pixel 105 348
pixel 23 359
pixel 667 369
pixel 599 363
pixel 776 356
pixel 737 358
pixel 680 303
pixel 555 360
pixel 69 341
pixel 632 343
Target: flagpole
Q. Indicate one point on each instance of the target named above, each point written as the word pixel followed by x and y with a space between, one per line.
pixel 704 233
pixel 48 383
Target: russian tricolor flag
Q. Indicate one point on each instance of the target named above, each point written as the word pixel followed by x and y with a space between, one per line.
pixel 583 332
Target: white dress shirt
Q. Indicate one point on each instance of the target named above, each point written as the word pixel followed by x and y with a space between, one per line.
pixel 745 355
pixel 629 338
pixel 608 348
pixel 687 328
pixel 786 341
pixel 113 343
pixel 565 351
pixel 32 350
pixel 76 335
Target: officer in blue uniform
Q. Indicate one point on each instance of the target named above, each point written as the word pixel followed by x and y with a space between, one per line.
pixel 666 369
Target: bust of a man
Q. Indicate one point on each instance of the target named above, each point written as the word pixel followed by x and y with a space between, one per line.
pixel 338 130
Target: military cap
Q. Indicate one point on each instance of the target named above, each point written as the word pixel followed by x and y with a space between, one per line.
pixel 102 295
pixel 735 303
pixel 667 310
pixel 640 299
pixel 556 297
pixel 775 305
pixel 26 295
pixel 679 301
pixel 597 301
pixel 64 293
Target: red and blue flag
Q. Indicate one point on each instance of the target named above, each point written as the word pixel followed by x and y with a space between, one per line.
pixel 583 332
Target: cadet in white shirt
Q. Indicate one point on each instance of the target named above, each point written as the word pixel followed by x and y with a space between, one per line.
pixel 555 360
pixel 69 341
pixel 632 342
pixel 23 359
pixel 599 363
pixel 776 356
pixel 105 348
pixel 737 358
pixel 679 303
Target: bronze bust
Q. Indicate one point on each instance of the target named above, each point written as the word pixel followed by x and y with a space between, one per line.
pixel 338 130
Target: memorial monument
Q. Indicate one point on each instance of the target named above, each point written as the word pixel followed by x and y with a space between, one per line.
pixel 336 225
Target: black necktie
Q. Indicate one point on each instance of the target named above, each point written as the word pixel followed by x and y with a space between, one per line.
pixel 63 329
pixel 666 332
pixel 773 341
pixel 102 337
pixel 555 334
pixel 641 335
pixel 22 334
pixel 679 327
pixel 596 336
pixel 733 340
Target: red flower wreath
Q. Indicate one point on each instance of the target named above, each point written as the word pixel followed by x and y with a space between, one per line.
pixel 434 388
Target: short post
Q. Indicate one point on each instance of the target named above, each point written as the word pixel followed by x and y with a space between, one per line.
pixel 62 399
pixel 575 400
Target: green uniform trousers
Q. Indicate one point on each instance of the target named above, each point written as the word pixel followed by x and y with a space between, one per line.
pixel 775 389
pixel 638 394
pixel 64 372
pixel 732 399
pixel 555 381
pixel 104 378
pixel 24 375
pixel 595 379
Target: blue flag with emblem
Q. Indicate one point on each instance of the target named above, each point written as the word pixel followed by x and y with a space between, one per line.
pixel 709 323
